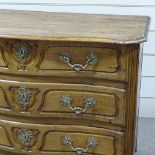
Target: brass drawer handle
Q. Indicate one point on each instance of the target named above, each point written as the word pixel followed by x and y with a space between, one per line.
pixel 67 101
pixel 91 59
pixel 91 143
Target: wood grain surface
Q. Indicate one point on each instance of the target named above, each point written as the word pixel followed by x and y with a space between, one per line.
pixel 43 59
pixel 73 27
pixel 45 101
pixel 49 139
pixel 33 80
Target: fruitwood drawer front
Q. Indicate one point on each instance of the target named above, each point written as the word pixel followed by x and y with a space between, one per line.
pixel 63 100
pixel 99 59
pixel 63 59
pixel 59 139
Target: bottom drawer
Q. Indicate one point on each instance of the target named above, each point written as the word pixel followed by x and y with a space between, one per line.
pixel 26 138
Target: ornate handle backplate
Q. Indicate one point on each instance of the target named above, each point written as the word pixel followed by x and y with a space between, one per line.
pixel 91 59
pixel 22 53
pixel 91 143
pixel 26 138
pixel 67 101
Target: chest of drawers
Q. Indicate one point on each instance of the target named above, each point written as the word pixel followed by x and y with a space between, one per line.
pixel 69 83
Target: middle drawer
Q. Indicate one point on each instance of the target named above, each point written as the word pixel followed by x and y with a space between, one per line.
pixel 95 103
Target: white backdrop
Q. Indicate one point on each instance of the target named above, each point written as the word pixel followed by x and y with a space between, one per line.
pixel 130 7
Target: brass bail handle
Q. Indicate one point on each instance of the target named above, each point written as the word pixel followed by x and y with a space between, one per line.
pixel 91 59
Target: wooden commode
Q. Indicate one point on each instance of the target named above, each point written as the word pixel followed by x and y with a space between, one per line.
pixel 69 83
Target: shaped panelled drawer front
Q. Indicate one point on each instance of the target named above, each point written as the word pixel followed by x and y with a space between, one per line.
pixel 76 101
pixel 105 104
pixel 105 59
pixel 101 145
pixel 62 139
pixel 90 103
pixel 74 59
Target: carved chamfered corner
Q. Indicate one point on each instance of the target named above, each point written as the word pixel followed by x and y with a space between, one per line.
pixel 25 138
pixel 22 53
pixel 23 98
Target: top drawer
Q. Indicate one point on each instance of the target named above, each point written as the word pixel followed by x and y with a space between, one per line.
pixel 63 59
